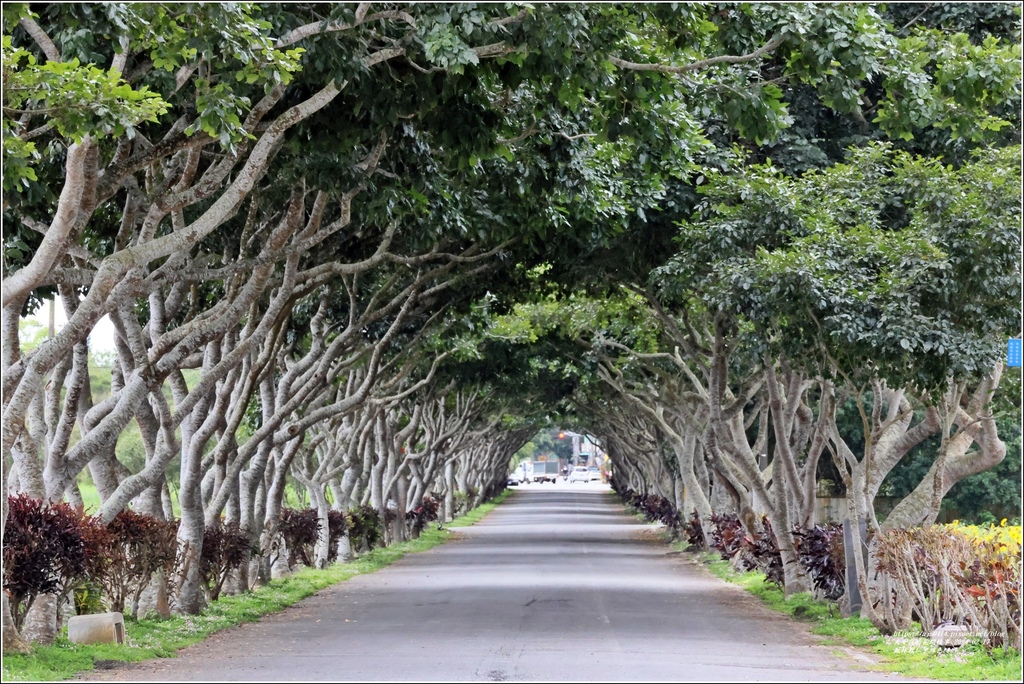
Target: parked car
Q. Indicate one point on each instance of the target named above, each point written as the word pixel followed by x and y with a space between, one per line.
pixel 595 473
pixel 513 481
pixel 579 474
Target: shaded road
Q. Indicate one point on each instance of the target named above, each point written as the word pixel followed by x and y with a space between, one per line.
pixel 554 585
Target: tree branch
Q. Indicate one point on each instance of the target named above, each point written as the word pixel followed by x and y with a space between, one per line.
pixel 42 40
pixel 702 64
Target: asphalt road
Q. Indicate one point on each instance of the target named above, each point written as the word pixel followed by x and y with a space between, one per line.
pixel 557 584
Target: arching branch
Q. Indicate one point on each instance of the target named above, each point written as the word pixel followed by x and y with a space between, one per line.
pixel 702 64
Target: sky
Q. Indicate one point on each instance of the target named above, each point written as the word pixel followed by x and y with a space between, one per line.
pixel 100 340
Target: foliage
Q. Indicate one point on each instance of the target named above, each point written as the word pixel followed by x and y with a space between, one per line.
pixel 549 442
pixel 60 90
pixel 460 502
pixel 299 529
pixel 44 551
pixel 87 598
pixel 727 535
pixel 421 515
pixel 365 527
pixel 225 548
pixel 885 266
pixel 694 531
pixel 820 550
pixel 80 99
pixel 136 547
pixel 98 558
pixel 652 507
pixel 959 576
pixel 762 554
pixel 823 555
pixel 659 508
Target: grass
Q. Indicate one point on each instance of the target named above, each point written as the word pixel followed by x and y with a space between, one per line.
pixel 161 638
pixel 906 653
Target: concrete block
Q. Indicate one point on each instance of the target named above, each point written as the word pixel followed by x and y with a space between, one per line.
pixel 102 628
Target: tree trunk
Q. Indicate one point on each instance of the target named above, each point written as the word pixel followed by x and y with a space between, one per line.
pixel 41 621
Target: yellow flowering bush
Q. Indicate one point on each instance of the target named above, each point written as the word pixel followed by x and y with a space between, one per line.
pixel 1007 535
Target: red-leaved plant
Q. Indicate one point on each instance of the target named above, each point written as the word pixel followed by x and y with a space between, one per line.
pixel 225 548
pixel 44 551
pixel 422 514
pixel 137 547
pixel 299 529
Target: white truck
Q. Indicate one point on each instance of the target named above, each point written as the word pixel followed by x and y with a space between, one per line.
pixel 543 471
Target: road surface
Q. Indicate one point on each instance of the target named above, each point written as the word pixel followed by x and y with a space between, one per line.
pixel 557 584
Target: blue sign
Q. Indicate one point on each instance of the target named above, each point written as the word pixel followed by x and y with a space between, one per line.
pixel 1013 352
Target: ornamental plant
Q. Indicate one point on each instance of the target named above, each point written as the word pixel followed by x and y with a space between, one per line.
pixel 992 580
pixel 694 531
pixel 727 535
pixel 365 527
pixel 299 529
pixel 655 508
pixel 44 551
pixel 762 554
pixel 225 548
pixel 137 547
pixel 954 576
pixel 823 555
pixel 424 513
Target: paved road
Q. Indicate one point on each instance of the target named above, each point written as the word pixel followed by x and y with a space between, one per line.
pixel 556 584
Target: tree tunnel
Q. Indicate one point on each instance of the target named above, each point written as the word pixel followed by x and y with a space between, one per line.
pixel 356 261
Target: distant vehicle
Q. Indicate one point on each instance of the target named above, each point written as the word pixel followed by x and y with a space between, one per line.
pixel 579 474
pixel 513 481
pixel 595 473
pixel 544 471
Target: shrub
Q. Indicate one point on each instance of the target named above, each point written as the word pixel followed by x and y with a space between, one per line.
pixel 958 577
pixel 727 535
pixel 300 529
pixel 87 594
pixel 694 531
pixel 668 514
pixel 136 546
pixel 420 516
pixel 823 555
pixel 225 548
pixel 460 502
pixel 88 598
pixel 365 526
pixel 44 551
pixel 763 554
pixel 654 508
